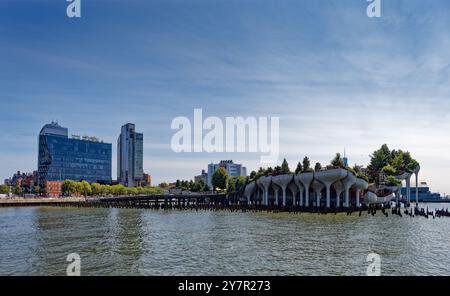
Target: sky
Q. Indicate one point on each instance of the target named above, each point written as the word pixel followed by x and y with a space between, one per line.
pixel 336 78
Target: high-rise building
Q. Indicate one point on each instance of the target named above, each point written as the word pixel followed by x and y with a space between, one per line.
pixel 345 159
pixel 130 156
pixel 78 158
pixel 233 169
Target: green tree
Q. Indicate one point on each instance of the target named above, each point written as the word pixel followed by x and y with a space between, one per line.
pixel 306 164
pixel 195 187
pixel 378 160
pixel 37 190
pixel 285 167
pixel 392 181
pixel 237 183
pixel 277 171
pixel 164 185
pixel 261 172
pixel 17 190
pixel 69 187
pixel 299 168
pixel 337 161
pixel 132 191
pixel 220 179
pixel 403 162
pixel 201 185
pixel 269 171
pixel 97 189
pixel 118 190
pixel 105 190
pixel 253 175
pixel 85 188
pixel 318 167
pixel 389 170
pixel 359 172
pixel 4 189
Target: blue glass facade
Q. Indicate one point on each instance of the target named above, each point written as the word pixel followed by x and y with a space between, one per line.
pixel 61 158
pixel 424 194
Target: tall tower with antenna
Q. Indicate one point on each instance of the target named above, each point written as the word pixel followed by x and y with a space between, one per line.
pixel 345 158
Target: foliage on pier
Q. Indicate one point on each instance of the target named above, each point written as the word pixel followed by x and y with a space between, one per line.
pixel 389 163
pixel 4 189
pixel 70 188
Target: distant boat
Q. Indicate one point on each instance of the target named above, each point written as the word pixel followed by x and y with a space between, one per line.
pixel 425 195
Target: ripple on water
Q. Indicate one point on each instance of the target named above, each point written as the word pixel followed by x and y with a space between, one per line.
pixel 145 242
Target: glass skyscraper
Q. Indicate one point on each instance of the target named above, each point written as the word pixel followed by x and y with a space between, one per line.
pixel 63 158
pixel 130 156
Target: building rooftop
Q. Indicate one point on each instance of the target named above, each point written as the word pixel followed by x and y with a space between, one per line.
pixel 54 129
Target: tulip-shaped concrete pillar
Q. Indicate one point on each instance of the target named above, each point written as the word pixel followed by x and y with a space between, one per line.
pixel 294 190
pixel 317 187
pixel 348 183
pixel 359 186
pixel 249 190
pixel 276 189
pixel 299 184
pixel 306 179
pixel 417 187
pixel 264 182
pixel 398 195
pixel 329 177
pixel 339 188
pixel 408 189
pixel 401 178
pixel 416 173
pixel 257 193
pixel 358 194
pixel 261 192
pixel 282 181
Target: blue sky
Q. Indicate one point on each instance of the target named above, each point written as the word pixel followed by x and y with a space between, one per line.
pixel 335 77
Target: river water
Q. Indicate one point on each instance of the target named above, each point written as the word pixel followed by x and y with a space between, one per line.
pixel 37 241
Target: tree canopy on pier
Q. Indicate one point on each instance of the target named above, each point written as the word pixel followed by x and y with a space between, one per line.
pixel 220 179
pixel 71 188
pixel 384 162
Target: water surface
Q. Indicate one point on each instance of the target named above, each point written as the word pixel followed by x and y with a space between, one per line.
pixel 36 241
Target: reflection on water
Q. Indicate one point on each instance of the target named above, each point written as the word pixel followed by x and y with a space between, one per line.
pixel 36 241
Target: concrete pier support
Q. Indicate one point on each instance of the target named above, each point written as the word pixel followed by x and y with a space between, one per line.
pixel 306 179
pixel 276 190
pixel 300 186
pixel 265 182
pixel 339 188
pixel 294 190
pixel 250 190
pixel 318 187
pixel 408 189
pixel 283 181
pixel 417 187
pixel 348 183
pixel 358 194
pixel 416 173
pixel 359 186
pixel 329 177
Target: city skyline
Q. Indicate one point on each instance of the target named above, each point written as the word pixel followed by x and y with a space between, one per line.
pixel 337 79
